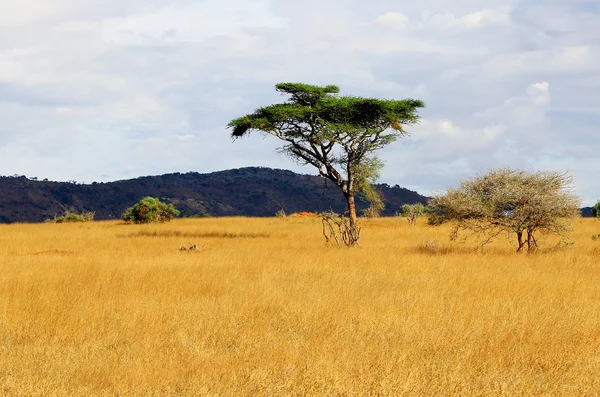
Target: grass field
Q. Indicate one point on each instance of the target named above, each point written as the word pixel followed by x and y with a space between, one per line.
pixel 265 309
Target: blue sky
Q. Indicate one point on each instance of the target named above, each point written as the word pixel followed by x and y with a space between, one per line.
pixel 108 90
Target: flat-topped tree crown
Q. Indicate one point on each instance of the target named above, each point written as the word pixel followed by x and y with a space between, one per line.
pixel 336 134
pixel 306 94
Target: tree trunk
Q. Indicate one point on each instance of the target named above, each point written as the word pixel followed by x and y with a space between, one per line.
pixel 531 243
pixel 520 239
pixel 353 231
pixel 351 210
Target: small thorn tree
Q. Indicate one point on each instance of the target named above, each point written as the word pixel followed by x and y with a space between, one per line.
pixel 413 211
pixel 511 201
pixel 338 135
pixel 375 199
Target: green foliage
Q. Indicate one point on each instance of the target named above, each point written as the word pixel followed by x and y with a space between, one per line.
pixel 596 210
pixel 281 214
pixel 72 217
pixel 511 201
pixel 414 211
pixel 150 210
pixel 305 93
pixel 376 202
pixel 200 215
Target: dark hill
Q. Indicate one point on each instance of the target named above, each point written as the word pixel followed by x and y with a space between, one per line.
pixel 246 191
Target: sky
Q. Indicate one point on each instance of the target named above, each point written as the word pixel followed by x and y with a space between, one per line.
pixel 104 90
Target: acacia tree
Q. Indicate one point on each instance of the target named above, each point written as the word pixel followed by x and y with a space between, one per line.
pixel 338 135
pixel 511 201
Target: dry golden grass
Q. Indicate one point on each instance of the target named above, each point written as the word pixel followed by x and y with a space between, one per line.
pixel 103 309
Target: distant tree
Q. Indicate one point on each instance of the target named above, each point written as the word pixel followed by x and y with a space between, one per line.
pixel 413 211
pixel 596 210
pixel 511 201
pixel 338 135
pixel 150 210
pixel 376 204
pixel 69 217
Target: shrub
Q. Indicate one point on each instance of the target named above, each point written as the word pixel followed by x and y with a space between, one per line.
pixel 73 217
pixel 376 204
pixel 414 211
pixel 150 210
pixel 596 210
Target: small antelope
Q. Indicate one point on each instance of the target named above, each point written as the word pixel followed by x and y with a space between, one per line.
pixel 193 247
pixel 182 247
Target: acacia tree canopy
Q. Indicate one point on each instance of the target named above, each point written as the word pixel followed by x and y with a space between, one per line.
pixel 512 201
pixel 338 135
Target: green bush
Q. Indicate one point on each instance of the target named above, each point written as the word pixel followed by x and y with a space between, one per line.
pixel 73 217
pixel 150 210
pixel 414 211
pixel 596 210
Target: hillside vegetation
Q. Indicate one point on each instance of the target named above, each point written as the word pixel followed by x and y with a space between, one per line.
pixel 263 308
pixel 252 191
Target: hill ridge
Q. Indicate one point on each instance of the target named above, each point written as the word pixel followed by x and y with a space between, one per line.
pixel 248 191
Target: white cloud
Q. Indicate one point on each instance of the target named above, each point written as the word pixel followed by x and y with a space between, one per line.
pixel 539 92
pixel 436 21
pixel 543 86
pixel 77 27
pixel 151 85
pixel 194 22
pixel 395 20
pixel 13 13
pixel 473 20
pixel 483 18
pixel 570 59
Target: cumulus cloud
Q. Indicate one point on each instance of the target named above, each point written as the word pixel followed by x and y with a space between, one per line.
pixel 190 23
pixel 395 20
pixel 103 90
pixel 473 20
pixel 447 20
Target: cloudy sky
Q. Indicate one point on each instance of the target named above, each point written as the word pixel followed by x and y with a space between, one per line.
pixel 101 90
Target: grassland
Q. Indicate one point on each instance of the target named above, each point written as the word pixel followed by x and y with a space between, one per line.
pixel 264 308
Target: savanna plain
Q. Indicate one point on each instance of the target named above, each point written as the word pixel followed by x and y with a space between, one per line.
pixel 264 308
